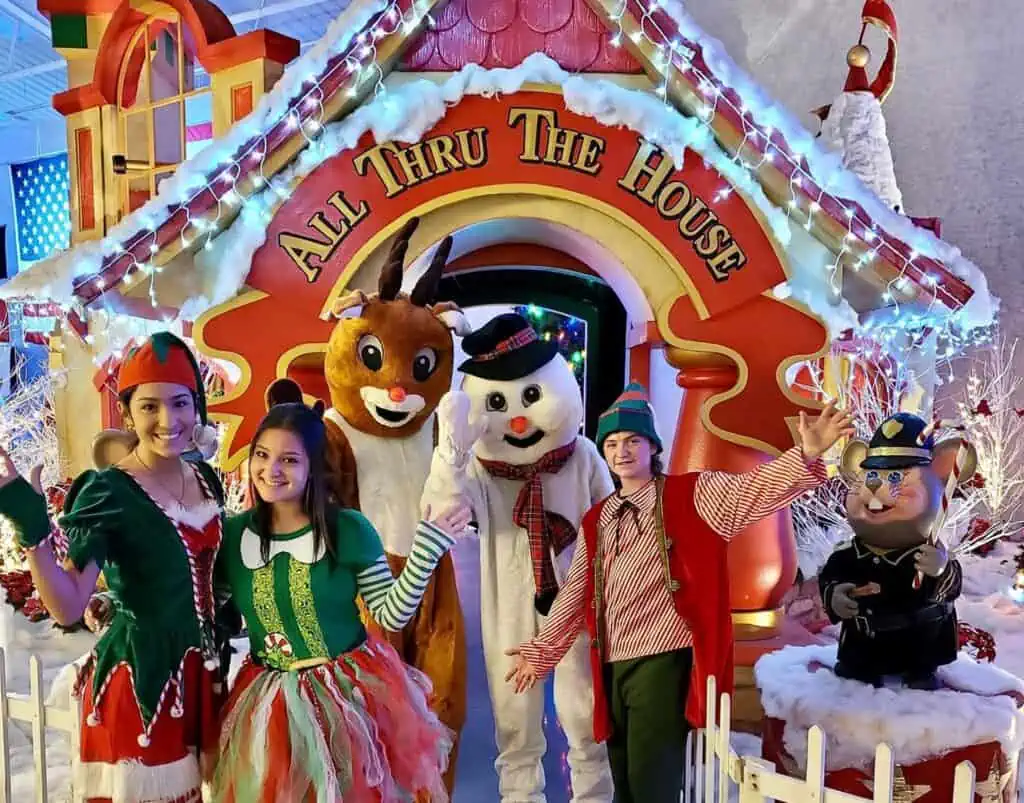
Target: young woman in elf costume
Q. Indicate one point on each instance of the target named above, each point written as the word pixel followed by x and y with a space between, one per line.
pixel 320 711
pixel 648 581
pixel 152 524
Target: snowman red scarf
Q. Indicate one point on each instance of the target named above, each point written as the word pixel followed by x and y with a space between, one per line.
pixel 546 530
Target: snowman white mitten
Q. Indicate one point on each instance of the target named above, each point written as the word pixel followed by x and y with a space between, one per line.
pixel 457 431
pixel 457 428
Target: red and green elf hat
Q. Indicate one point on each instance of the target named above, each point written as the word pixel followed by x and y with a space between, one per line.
pixel 631 412
pixel 163 358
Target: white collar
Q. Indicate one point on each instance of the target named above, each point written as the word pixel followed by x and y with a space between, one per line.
pixel 300 548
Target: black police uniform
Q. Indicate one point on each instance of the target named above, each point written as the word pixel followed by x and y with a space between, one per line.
pixel 902 630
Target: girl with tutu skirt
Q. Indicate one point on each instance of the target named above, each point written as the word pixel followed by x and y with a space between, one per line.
pixel 152 523
pixel 320 712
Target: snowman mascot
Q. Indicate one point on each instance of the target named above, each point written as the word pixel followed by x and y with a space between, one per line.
pixel 509 447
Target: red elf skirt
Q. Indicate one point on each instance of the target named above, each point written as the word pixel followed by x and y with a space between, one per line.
pixel 121 760
pixel 356 729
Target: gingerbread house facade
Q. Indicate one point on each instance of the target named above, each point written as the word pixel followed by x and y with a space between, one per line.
pixel 609 149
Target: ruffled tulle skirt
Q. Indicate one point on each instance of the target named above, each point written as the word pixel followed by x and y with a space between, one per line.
pixel 356 729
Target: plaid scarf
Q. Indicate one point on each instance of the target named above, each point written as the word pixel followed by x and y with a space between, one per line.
pixel 546 530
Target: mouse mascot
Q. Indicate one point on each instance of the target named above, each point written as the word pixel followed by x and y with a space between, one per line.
pixel 389 361
pixel 509 446
pixel 893 585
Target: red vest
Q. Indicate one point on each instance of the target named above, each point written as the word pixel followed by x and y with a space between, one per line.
pixel 699 584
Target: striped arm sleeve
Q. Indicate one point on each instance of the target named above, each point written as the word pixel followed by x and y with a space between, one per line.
pixel 730 502
pixel 392 602
pixel 565 620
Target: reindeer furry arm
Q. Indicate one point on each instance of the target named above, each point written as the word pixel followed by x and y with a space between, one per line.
pixel 341 467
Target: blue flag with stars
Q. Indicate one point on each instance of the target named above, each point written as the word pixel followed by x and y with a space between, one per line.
pixel 42 212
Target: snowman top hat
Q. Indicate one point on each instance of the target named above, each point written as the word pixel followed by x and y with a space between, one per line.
pixel 506 348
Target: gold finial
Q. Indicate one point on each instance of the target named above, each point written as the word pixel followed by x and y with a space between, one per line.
pixel 858 56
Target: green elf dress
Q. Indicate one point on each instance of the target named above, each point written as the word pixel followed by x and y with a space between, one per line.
pixel 151 688
pixel 320 711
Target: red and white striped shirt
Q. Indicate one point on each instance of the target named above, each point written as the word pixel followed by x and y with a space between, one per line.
pixel 640 617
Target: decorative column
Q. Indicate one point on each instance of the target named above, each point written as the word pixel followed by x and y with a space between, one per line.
pixel 762 558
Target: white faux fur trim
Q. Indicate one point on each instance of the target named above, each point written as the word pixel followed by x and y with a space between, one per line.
pixel 195 517
pixel 134 782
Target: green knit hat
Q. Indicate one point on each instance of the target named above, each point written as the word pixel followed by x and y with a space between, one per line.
pixel 631 412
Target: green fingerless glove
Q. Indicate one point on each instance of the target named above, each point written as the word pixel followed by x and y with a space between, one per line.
pixel 26 511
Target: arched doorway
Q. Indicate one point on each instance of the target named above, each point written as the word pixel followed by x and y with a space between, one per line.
pixel 584 296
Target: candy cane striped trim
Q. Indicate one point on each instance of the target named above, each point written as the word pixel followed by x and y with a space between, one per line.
pixel 177 679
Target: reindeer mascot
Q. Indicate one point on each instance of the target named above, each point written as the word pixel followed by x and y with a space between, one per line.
pixel 389 362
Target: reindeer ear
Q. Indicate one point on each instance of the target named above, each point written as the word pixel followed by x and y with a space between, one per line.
pixel 348 306
pixel 425 290
pixel 456 321
pixel 944 459
pixel 390 282
pixel 853 456
pixel 283 391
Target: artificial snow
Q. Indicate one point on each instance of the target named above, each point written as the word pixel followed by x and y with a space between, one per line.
pixel 855 127
pixel 826 169
pixel 406 114
pixel 53 278
pixel 57 652
pixel 856 717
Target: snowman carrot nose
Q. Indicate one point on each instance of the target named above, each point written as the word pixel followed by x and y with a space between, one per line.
pixel 519 424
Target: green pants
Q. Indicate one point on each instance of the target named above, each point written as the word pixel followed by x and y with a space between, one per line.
pixel 647 700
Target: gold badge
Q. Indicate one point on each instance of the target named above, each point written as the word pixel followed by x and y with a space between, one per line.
pixel 892 428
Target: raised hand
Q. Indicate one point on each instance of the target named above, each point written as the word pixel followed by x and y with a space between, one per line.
pixel 454 519
pixel 457 428
pixel 819 435
pixel 9 473
pixel 523 675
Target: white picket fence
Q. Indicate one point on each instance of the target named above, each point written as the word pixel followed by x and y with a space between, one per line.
pixel 31 709
pixel 717 774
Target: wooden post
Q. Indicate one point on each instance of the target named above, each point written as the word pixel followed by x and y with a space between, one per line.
pixel 884 774
pixel 38 702
pixel 709 742
pixel 815 778
pixel 5 764
pixel 963 783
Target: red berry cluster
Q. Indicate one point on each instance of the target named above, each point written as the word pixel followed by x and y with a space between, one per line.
pixel 978 643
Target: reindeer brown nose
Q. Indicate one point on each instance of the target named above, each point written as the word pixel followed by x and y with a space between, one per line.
pixel 873 483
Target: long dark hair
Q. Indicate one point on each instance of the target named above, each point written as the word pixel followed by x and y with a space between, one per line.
pixel 317 502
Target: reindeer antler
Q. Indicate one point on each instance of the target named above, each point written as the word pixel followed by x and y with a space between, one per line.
pixel 356 298
pixel 390 282
pixel 426 288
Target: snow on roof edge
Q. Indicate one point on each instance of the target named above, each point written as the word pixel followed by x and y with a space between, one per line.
pixel 982 307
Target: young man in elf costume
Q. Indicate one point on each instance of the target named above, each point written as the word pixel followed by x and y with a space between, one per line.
pixel 649 583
